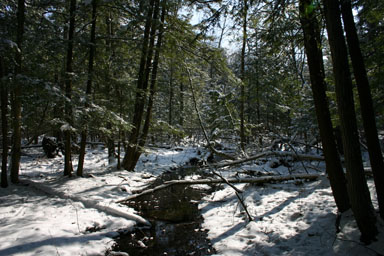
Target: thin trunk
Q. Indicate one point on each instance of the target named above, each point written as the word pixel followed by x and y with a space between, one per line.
pixel 258 114
pixel 121 133
pixel 110 140
pixel 366 104
pixel 142 84
pixel 359 195
pixel 16 101
pixel 92 49
pixel 207 139
pixel 222 31
pixel 118 166
pixel 170 105
pixel 68 168
pixel 242 74
pixel 4 127
pixel 312 43
pixel 181 114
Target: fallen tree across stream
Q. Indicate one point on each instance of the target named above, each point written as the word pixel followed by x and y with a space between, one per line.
pixel 268 153
pixel 258 180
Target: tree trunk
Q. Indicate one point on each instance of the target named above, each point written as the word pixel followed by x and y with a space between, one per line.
pixel 110 142
pixel 312 43
pixel 366 104
pixel 357 186
pixel 16 99
pixel 4 127
pixel 170 105
pixel 92 48
pixel 152 89
pixel 181 114
pixel 68 169
pixel 242 74
pixel 142 84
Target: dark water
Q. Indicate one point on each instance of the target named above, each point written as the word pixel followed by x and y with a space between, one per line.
pixel 176 221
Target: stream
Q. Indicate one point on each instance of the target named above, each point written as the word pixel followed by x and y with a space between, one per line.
pixel 175 217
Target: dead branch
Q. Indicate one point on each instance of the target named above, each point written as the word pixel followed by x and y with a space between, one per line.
pixel 211 148
pixel 293 149
pixel 259 180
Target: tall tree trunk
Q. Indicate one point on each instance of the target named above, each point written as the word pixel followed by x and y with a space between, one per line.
pixel 110 138
pixel 366 104
pixel 152 89
pixel 92 49
pixel 312 43
pixel 242 74
pixel 142 84
pixel 357 186
pixel 170 104
pixel 68 168
pixel 4 126
pixel 16 100
pixel 181 116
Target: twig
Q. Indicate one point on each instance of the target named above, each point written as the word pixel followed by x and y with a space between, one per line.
pixel 294 150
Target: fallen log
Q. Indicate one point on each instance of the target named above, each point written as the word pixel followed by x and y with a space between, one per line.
pixel 88 203
pixel 268 153
pixel 259 180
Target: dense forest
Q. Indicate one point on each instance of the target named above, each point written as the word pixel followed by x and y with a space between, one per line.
pixel 240 76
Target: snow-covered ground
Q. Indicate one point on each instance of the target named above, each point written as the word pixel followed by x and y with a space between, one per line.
pixel 49 214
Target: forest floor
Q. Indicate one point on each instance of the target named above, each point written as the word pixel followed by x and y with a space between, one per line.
pixel 49 214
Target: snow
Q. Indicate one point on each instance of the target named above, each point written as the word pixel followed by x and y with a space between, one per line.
pixel 49 214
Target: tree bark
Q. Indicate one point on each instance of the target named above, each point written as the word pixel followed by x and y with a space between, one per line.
pixel 242 74
pixel 312 43
pixel 16 99
pixel 92 49
pixel 110 142
pixel 359 195
pixel 170 104
pixel 142 84
pixel 152 89
pixel 68 168
pixel 366 104
pixel 4 126
pixel 181 113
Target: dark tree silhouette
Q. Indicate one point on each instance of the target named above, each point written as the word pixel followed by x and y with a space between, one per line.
pixel 16 96
pixel 360 199
pixel 366 104
pixel 312 43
